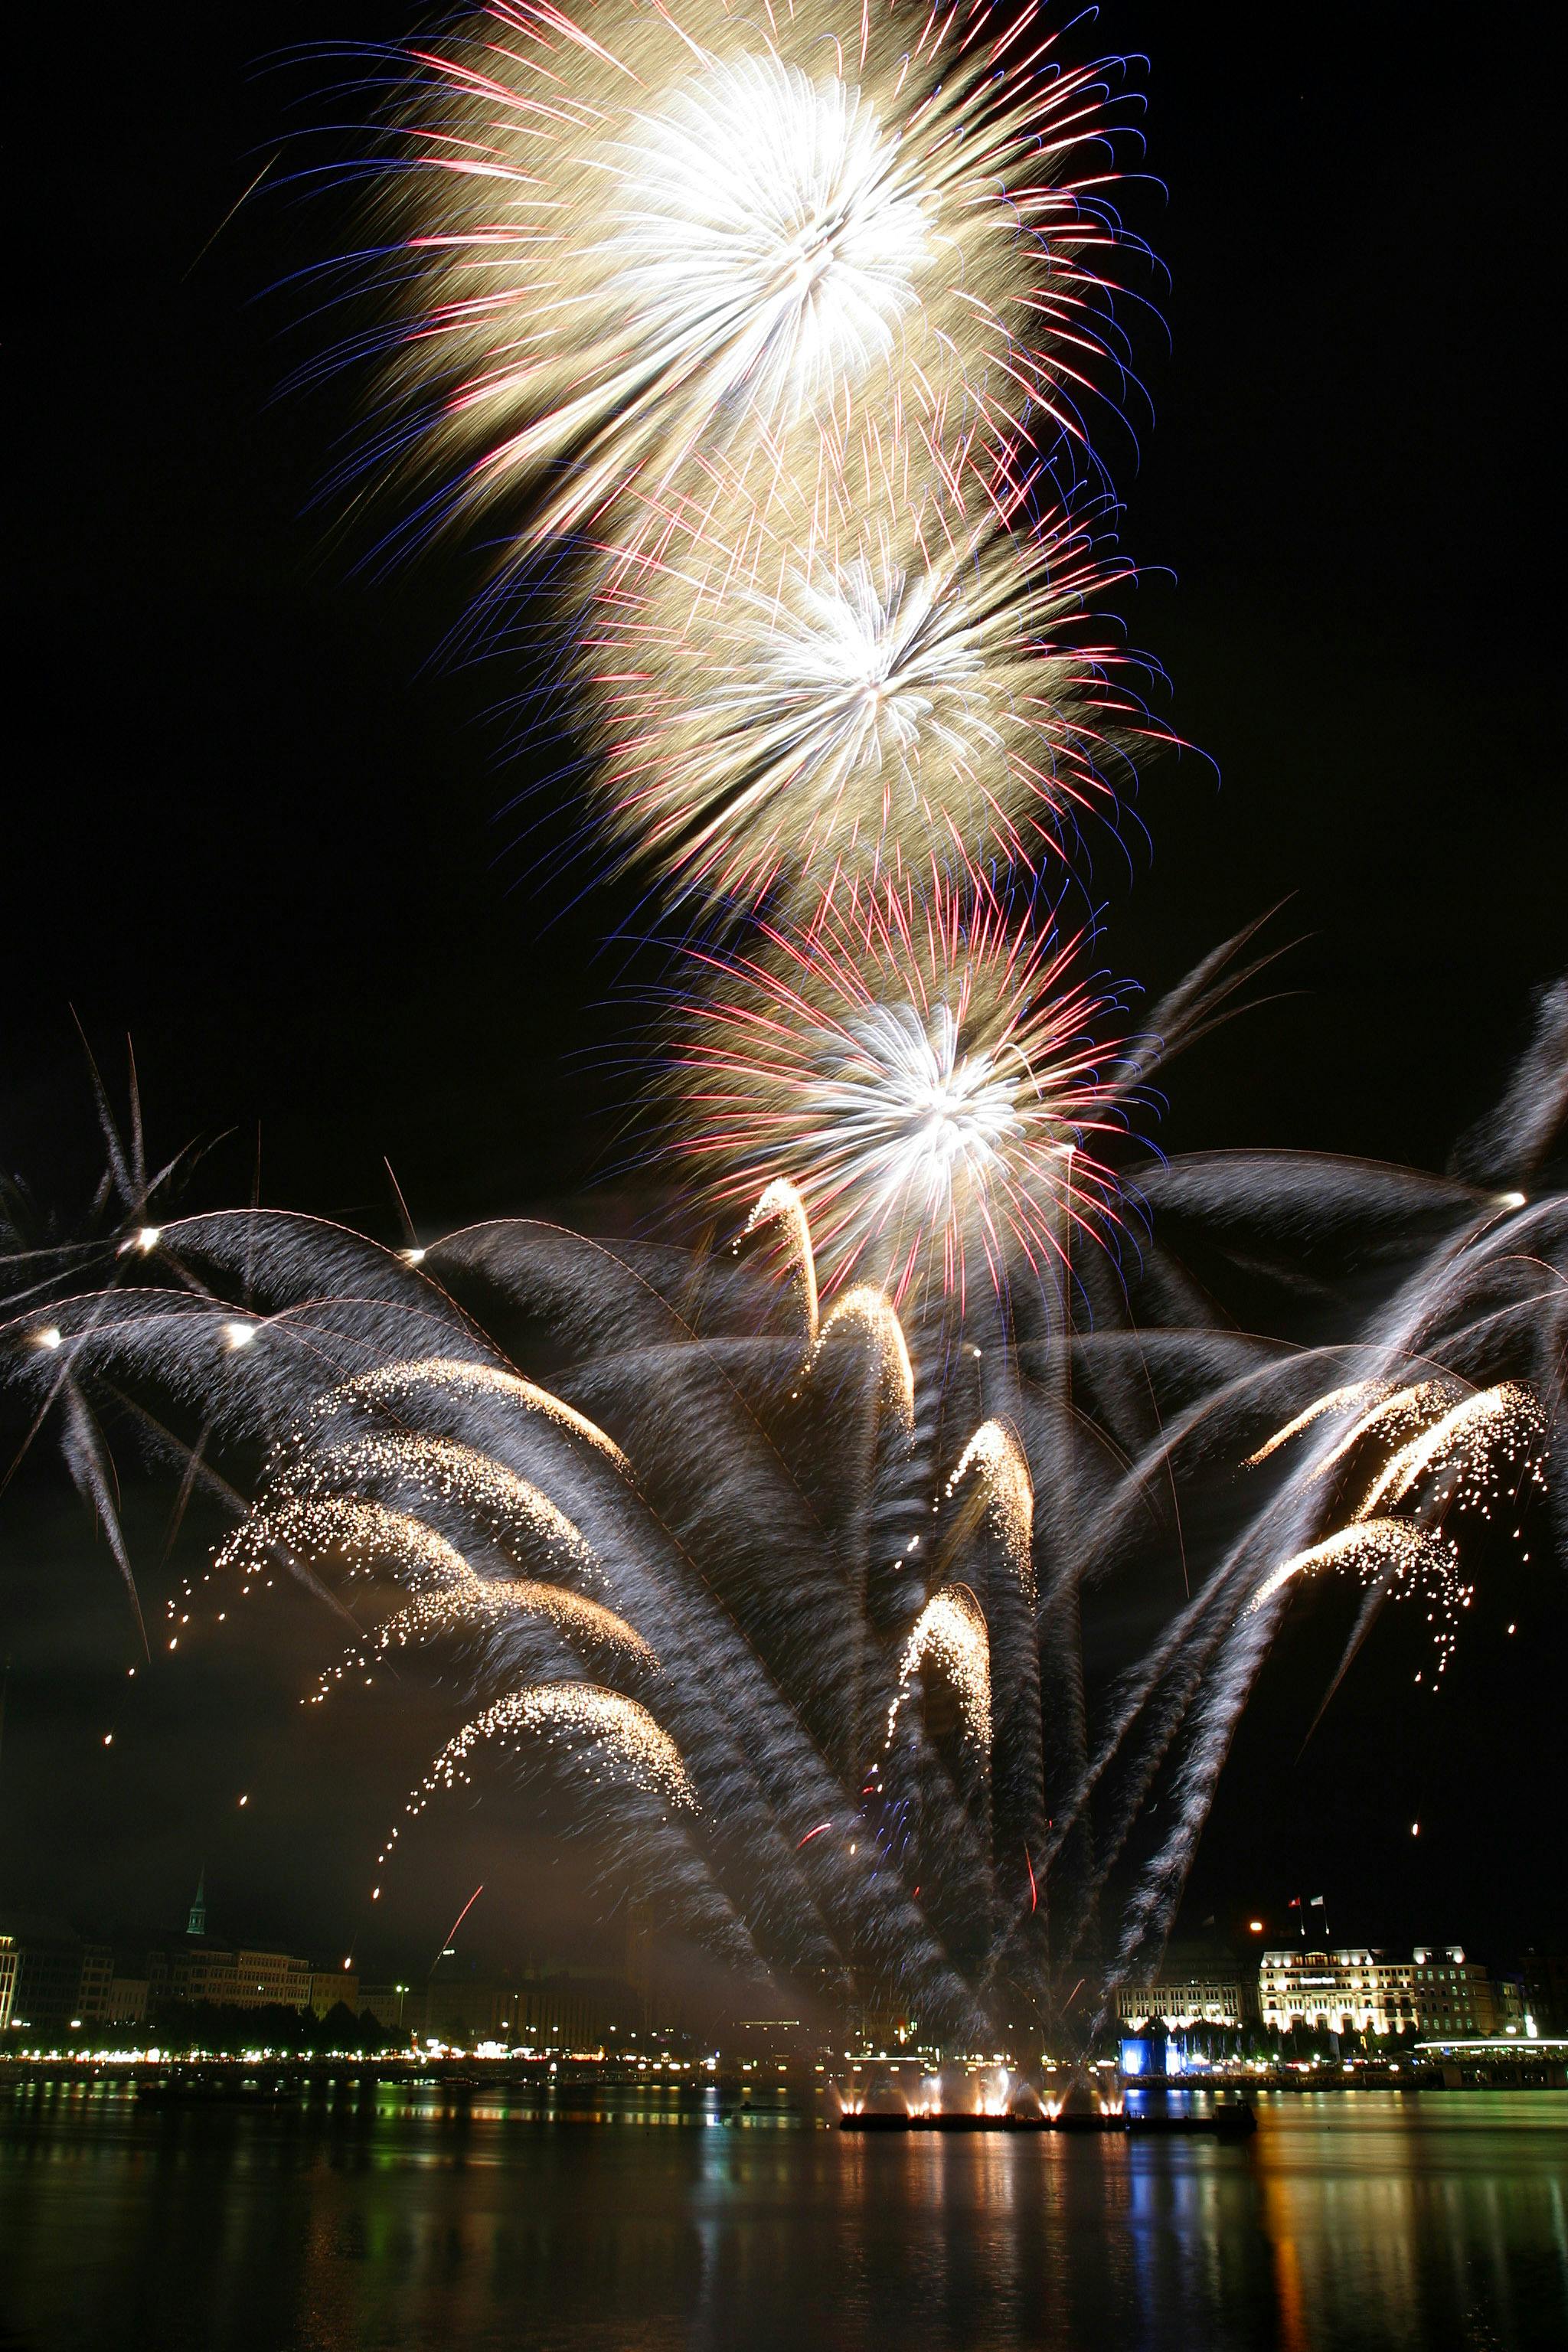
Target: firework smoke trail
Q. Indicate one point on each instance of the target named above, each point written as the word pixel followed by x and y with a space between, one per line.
pixel 1208 1709
pixel 921 1068
pixel 654 236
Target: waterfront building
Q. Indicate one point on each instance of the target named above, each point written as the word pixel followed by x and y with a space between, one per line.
pixel 564 2010
pixel 1201 1980
pixel 1210 1997
pixel 1452 1995
pixel 127 2001
pixel 196 1966
pixel 7 1978
pixel 59 1979
pixel 234 1977
pixel 1436 1991
pixel 331 1987
pixel 396 2008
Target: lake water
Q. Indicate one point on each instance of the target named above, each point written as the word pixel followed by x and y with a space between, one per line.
pixel 1369 2220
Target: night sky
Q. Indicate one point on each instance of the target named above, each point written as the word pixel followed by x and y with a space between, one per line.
pixel 255 828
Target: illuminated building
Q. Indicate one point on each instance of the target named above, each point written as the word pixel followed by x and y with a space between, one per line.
pixel 127 1999
pixel 1205 1999
pixel 7 1978
pixel 1452 1995
pixel 236 1977
pixel 1435 1990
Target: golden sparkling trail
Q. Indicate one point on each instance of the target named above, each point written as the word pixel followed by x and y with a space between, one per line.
pixel 1417 1562
pixel 951 1632
pixel 782 1205
pixel 311 1526
pixel 487 1603
pixel 1356 1392
pixel 1496 1426
pixel 613 1736
pixel 873 1312
pixel 393 1383
pixel 442 1470
pixel 996 1458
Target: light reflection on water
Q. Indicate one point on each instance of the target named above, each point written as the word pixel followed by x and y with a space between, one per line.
pixel 408 2219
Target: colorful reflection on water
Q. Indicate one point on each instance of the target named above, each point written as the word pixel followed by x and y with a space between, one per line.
pixel 641 2220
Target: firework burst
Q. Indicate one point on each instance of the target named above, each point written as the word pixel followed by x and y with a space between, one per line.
pixel 775 692
pixel 922 1068
pixel 665 233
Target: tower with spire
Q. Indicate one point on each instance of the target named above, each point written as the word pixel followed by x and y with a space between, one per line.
pixel 197 1923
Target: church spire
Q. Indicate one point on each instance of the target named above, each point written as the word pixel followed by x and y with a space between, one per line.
pixel 197 1925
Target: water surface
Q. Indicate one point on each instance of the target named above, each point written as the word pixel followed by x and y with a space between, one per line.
pixel 1370 2220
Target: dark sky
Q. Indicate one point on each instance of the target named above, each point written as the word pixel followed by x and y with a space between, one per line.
pixel 253 827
